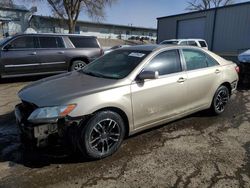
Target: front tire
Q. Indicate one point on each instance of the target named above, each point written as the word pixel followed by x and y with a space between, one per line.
pixel 102 135
pixel 220 100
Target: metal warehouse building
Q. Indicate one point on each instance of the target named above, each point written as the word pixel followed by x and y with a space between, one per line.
pixel 226 29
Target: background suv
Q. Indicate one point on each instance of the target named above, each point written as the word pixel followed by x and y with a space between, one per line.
pixel 191 42
pixel 36 54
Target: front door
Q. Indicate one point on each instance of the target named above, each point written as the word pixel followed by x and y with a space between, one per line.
pixel 159 99
pixel 19 57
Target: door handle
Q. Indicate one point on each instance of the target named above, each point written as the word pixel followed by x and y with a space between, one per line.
pixel 181 80
pixel 61 52
pixel 217 71
pixel 32 53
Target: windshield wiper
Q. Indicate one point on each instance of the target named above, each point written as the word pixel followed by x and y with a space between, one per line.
pixel 95 74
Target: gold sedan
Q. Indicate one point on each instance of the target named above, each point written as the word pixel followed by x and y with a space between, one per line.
pixel 124 92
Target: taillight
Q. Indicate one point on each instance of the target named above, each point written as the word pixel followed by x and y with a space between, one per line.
pixel 237 68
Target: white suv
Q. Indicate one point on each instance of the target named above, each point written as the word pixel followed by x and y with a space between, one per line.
pixel 191 42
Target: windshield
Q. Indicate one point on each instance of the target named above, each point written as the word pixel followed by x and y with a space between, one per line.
pixel 170 42
pixel 115 65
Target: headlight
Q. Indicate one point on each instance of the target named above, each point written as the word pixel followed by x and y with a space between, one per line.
pixel 50 114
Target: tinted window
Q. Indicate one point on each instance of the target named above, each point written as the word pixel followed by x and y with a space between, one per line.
pixel 165 63
pixel 51 42
pixel 211 62
pixel 203 44
pixel 169 42
pixel 22 42
pixel 192 43
pixel 194 59
pixel 184 43
pixel 82 42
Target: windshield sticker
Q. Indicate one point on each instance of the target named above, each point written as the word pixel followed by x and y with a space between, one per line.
pixel 133 54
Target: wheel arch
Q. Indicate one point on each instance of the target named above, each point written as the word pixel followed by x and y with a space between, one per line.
pixel 121 113
pixel 82 58
pixel 228 85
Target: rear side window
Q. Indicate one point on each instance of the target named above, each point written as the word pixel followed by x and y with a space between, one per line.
pixel 22 42
pixel 165 63
pixel 183 43
pixel 51 42
pixel 82 42
pixel 192 43
pixel 197 60
pixel 194 59
pixel 202 43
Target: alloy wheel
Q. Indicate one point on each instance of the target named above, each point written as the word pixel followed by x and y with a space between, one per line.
pixel 221 100
pixel 104 136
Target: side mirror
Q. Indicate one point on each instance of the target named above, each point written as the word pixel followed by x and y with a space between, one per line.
pixel 148 75
pixel 7 47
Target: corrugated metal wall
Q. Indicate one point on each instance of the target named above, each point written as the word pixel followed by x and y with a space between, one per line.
pixel 168 27
pixel 191 27
pixel 232 29
pixel 227 29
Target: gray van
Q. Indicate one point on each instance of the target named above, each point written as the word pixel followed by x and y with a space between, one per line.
pixel 38 54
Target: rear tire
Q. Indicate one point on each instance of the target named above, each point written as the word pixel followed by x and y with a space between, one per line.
pixel 220 100
pixel 102 135
pixel 77 65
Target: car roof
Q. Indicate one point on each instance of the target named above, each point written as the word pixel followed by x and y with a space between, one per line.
pixel 154 47
pixel 149 47
pixel 183 39
pixel 52 34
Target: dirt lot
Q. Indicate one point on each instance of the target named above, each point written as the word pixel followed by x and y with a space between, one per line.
pixel 197 151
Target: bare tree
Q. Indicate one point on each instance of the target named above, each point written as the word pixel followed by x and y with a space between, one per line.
pixel 69 10
pixel 6 3
pixel 207 4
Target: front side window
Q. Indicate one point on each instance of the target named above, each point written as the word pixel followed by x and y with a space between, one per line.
pixel 197 59
pixel 51 42
pixel 165 63
pixel 22 43
pixel 115 65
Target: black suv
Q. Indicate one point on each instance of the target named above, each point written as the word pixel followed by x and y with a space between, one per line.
pixel 36 54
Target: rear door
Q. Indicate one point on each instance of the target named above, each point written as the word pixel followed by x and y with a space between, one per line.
pixel 159 99
pixel 51 54
pixel 19 56
pixel 204 74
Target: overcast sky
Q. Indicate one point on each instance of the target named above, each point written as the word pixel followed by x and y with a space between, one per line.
pixel 135 12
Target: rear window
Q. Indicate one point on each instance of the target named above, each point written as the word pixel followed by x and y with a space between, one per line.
pixel 51 42
pixel 203 44
pixel 81 42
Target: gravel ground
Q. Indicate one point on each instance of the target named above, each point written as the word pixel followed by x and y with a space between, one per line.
pixel 196 151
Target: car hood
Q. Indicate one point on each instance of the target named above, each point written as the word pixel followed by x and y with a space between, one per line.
pixel 60 89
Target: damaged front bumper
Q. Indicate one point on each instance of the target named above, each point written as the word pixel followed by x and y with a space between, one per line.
pixel 42 134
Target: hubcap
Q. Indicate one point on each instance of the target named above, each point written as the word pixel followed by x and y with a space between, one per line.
pixel 104 136
pixel 221 100
pixel 79 66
